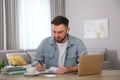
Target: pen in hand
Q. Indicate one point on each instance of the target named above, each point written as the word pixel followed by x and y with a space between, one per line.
pixel 40 63
pixel 40 66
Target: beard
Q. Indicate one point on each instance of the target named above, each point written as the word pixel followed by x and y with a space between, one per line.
pixel 60 40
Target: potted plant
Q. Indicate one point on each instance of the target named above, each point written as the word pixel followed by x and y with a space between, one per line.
pixel 2 64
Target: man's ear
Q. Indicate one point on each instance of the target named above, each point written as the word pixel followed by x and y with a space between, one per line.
pixel 68 29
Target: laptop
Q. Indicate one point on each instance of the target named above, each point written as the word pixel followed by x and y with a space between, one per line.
pixel 90 64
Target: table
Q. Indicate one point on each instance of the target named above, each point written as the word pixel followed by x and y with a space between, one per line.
pixel 106 75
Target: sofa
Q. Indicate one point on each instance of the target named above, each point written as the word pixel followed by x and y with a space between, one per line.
pixel 29 55
pixel 106 63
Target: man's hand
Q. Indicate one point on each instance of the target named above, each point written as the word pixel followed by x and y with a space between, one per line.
pixel 40 67
pixel 62 70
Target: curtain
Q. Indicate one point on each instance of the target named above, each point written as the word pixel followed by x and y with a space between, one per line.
pixel 1 25
pixel 20 28
pixel 34 22
pixel 57 8
pixel 8 24
pixel 12 32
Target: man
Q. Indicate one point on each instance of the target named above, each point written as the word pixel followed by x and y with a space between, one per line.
pixel 60 50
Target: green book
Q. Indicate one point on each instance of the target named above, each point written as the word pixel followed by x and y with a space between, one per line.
pixel 17 72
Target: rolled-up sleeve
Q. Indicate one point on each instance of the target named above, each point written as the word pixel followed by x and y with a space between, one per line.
pixel 39 54
pixel 81 50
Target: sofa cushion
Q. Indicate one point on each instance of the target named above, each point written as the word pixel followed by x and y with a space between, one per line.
pixel 96 51
pixel 23 54
pixel 31 55
pixel 17 60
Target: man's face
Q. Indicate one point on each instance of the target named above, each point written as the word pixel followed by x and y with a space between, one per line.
pixel 60 32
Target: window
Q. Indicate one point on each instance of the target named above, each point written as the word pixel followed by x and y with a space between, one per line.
pixel 34 21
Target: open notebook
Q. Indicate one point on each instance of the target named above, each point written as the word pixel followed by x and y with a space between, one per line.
pixel 50 70
pixel 90 64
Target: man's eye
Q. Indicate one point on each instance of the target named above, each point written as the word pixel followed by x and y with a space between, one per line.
pixel 60 32
pixel 54 32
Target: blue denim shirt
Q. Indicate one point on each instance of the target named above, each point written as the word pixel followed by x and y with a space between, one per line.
pixel 48 53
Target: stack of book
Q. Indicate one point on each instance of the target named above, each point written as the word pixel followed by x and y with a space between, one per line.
pixel 13 70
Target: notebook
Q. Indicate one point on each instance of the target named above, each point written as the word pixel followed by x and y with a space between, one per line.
pixel 50 70
pixel 90 64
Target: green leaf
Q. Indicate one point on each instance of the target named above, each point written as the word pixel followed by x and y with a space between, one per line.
pixel 2 64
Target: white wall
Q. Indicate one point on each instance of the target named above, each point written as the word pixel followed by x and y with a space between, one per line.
pixel 79 10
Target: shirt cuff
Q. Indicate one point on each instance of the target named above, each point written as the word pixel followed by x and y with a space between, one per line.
pixel 34 63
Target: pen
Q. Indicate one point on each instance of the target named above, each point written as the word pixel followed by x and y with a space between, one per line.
pixel 39 62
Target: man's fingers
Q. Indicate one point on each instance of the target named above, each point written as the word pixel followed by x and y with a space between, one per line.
pixel 40 67
pixel 61 70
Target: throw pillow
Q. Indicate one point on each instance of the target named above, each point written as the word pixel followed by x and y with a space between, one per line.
pixel 17 60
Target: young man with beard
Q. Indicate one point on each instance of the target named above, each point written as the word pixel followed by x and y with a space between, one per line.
pixel 60 50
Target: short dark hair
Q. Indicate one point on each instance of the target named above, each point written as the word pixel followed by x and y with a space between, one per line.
pixel 60 20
